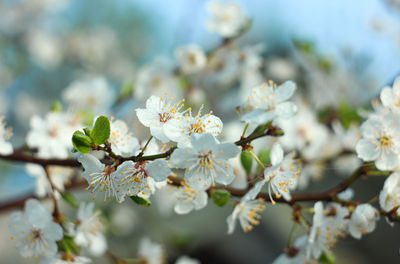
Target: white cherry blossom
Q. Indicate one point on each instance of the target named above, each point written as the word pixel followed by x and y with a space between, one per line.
pixel 52 135
pixel 34 231
pixel 93 94
pixel 380 142
pixel 155 79
pixel 390 96
pixel 191 58
pixel 247 212
pixel 304 133
pixel 389 197
pixel 227 19
pixel 188 199
pixel 150 252
pixel 268 102
pixel 6 147
pixel 206 161
pixel 158 113
pixel 66 258
pixel 122 142
pixel 88 232
pixel 281 176
pixel 326 229
pixel 363 220
pixel 102 178
pixel 180 130
pixel 138 177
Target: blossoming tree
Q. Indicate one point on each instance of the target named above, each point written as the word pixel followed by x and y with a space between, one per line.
pixel 192 157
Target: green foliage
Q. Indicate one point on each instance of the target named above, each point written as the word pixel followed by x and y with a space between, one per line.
pixel 126 90
pixel 68 245
pixel 264 158
pixel 69 198
pixel 101 130
pixel 88 131
pixel 327 258
pixel 247 161
pixel 56 106
pixel 81 142
pixel 220 197
pixel 325 64
pixel 141 201
pixel 344 113
pixel 304 45
pixel 261 128
pixel 347 115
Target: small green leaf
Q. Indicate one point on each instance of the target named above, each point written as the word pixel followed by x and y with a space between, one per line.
pixel 220 197
pixel 67 244
pixel 56 106
pixel 327 258
pixel 141 201
pixel 88 131
pixel 247 161
pixel 261 128
pixel 81 142
pixel 126 90
pixel 264 158
pixel 69 198
pixel 101 130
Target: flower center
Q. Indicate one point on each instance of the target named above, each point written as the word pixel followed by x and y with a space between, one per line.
pixel 164 117
pixel 53 132
pixel 205 159
pixel 197 127
pixel 386 141
pixel 36 234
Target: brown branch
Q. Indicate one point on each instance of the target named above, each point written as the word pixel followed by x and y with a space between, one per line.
pixel 328 195
pixel 20 156
pixel 19 202
pixel 56 213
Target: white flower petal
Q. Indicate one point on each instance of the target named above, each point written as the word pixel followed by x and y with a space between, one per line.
pixel 203 143
pixel 158 170
pixel 285 91
pixel 276 154
pixel 387 96
pixel 387 161
pixel 285 110
pixel 183 207
pixel 226 151
pixel 183 158
pixel 367 149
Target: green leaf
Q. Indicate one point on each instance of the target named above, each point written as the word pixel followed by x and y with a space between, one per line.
pixel 220 197
pixel 141 201
pixel 261 128
pixel 56 106
pixel 69 198
pixel 327 258
pixel 264 158
pixel 88 131
pixel 126 90
pixel 304 45
pixel 347 115
pixel 101 130
pixel 81 142
pixel 247 161
pixel 69 245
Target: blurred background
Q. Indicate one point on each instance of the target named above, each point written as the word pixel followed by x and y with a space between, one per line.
pixel 341 53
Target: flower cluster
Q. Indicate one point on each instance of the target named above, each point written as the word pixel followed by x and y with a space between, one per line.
pixel 186 160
